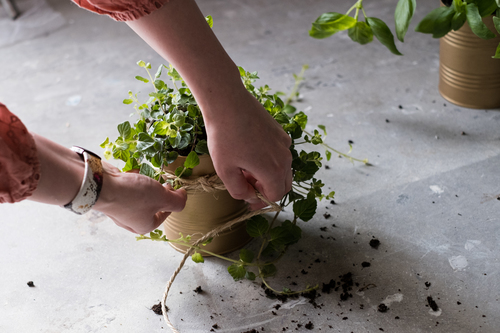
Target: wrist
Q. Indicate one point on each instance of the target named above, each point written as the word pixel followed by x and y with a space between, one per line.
pixel 109 187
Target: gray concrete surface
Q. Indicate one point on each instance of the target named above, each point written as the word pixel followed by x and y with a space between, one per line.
pixel 430 196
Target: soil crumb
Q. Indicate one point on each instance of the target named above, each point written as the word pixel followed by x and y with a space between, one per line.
pixel 157 309
pixel 198 290
pixel 30 284
pixel 382 308
pixel 432 303
pixel 309 325
pixel 365 264
pixel 375 243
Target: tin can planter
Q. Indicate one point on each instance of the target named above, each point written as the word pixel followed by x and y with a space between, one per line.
pixel 204 211
pixel 468 75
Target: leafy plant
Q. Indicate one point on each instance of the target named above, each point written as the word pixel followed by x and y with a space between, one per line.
pixel 438 22
pixel 170 124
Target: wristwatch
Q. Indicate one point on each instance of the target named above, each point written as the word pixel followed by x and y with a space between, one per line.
pixel 91 183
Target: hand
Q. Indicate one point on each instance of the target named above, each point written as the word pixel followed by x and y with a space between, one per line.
pixel 250 150
pixel 136 202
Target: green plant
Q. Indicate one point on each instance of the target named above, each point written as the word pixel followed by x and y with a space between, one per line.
pixel 438 22
pixel 170 124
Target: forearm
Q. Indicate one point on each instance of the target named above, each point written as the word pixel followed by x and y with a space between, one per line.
pixel 179 33
pixel 61 173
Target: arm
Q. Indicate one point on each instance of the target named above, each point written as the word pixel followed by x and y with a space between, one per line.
pixel 249 148
pixel 134 202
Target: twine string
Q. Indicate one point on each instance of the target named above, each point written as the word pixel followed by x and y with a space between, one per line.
pixel 209 183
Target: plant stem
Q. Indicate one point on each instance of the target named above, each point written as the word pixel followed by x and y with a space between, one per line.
pixel 298 79
pixel 352 159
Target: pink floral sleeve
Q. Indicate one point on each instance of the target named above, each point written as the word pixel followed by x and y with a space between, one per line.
pixel 19 165
pixel 121 10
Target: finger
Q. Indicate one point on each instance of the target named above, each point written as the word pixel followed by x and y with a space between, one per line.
pixel 238 186
pixel 173 200
pixel 159 218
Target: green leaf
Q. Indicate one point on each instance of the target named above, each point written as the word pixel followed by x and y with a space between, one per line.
pixel 268 270
pixel 179 171
pixel 105 143
pixel 131 165
pixel 210 21
pixel 202 147
pixel 127 101
pixel 301 119
pixel 250 275
pixel 322 127
pixel 140 78
pixel 496 21
pixel 158 72
pixel 238 272
pixel 141 64
pixel 147 170
pixel 383 33
pixel 486 7
pixel 426 26
pixel 293 232
pixel 172 156
pixel 257 226
pixel 197 258
pixel 443 23
pixel 361 33
pixel 330 23
pixel 246 255
pixel 497 53
pixel 290 109
pixel 328 155
pixel 124 130
pixel 458 20
pixel 144 141
pixel 192 160
pixel 402 17
pixel 305 208
pixel 476 23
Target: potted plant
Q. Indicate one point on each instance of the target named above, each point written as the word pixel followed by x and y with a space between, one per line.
pixel 167 142
pixel 469 69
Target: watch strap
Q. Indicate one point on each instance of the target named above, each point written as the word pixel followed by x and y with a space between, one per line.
pixel 91 184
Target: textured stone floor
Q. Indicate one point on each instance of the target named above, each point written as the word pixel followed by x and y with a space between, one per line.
pixel 430 197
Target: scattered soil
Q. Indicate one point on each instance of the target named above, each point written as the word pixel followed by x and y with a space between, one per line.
pixel 382 308
pixel 309 325
pixel 326 216
pixel 251 331
pixel 365 264
pixel 427 284
pixel 215 326
pixel 346 283
pixel 327 287
pixel 198 290
pixel 30 284
pixel 375 243
pixel 332 202
pixel 432 303
pixel 157 309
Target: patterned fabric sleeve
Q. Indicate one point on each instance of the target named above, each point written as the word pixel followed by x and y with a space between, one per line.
pixel 121 10
pixel 19 165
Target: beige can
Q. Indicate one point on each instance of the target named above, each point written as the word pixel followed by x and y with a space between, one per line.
pixel 468 75
pixel 204 212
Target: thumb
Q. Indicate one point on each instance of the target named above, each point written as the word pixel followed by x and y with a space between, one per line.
pixel 174 200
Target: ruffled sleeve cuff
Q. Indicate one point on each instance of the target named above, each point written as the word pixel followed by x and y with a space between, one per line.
pixel 19 165
pixel 121 10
